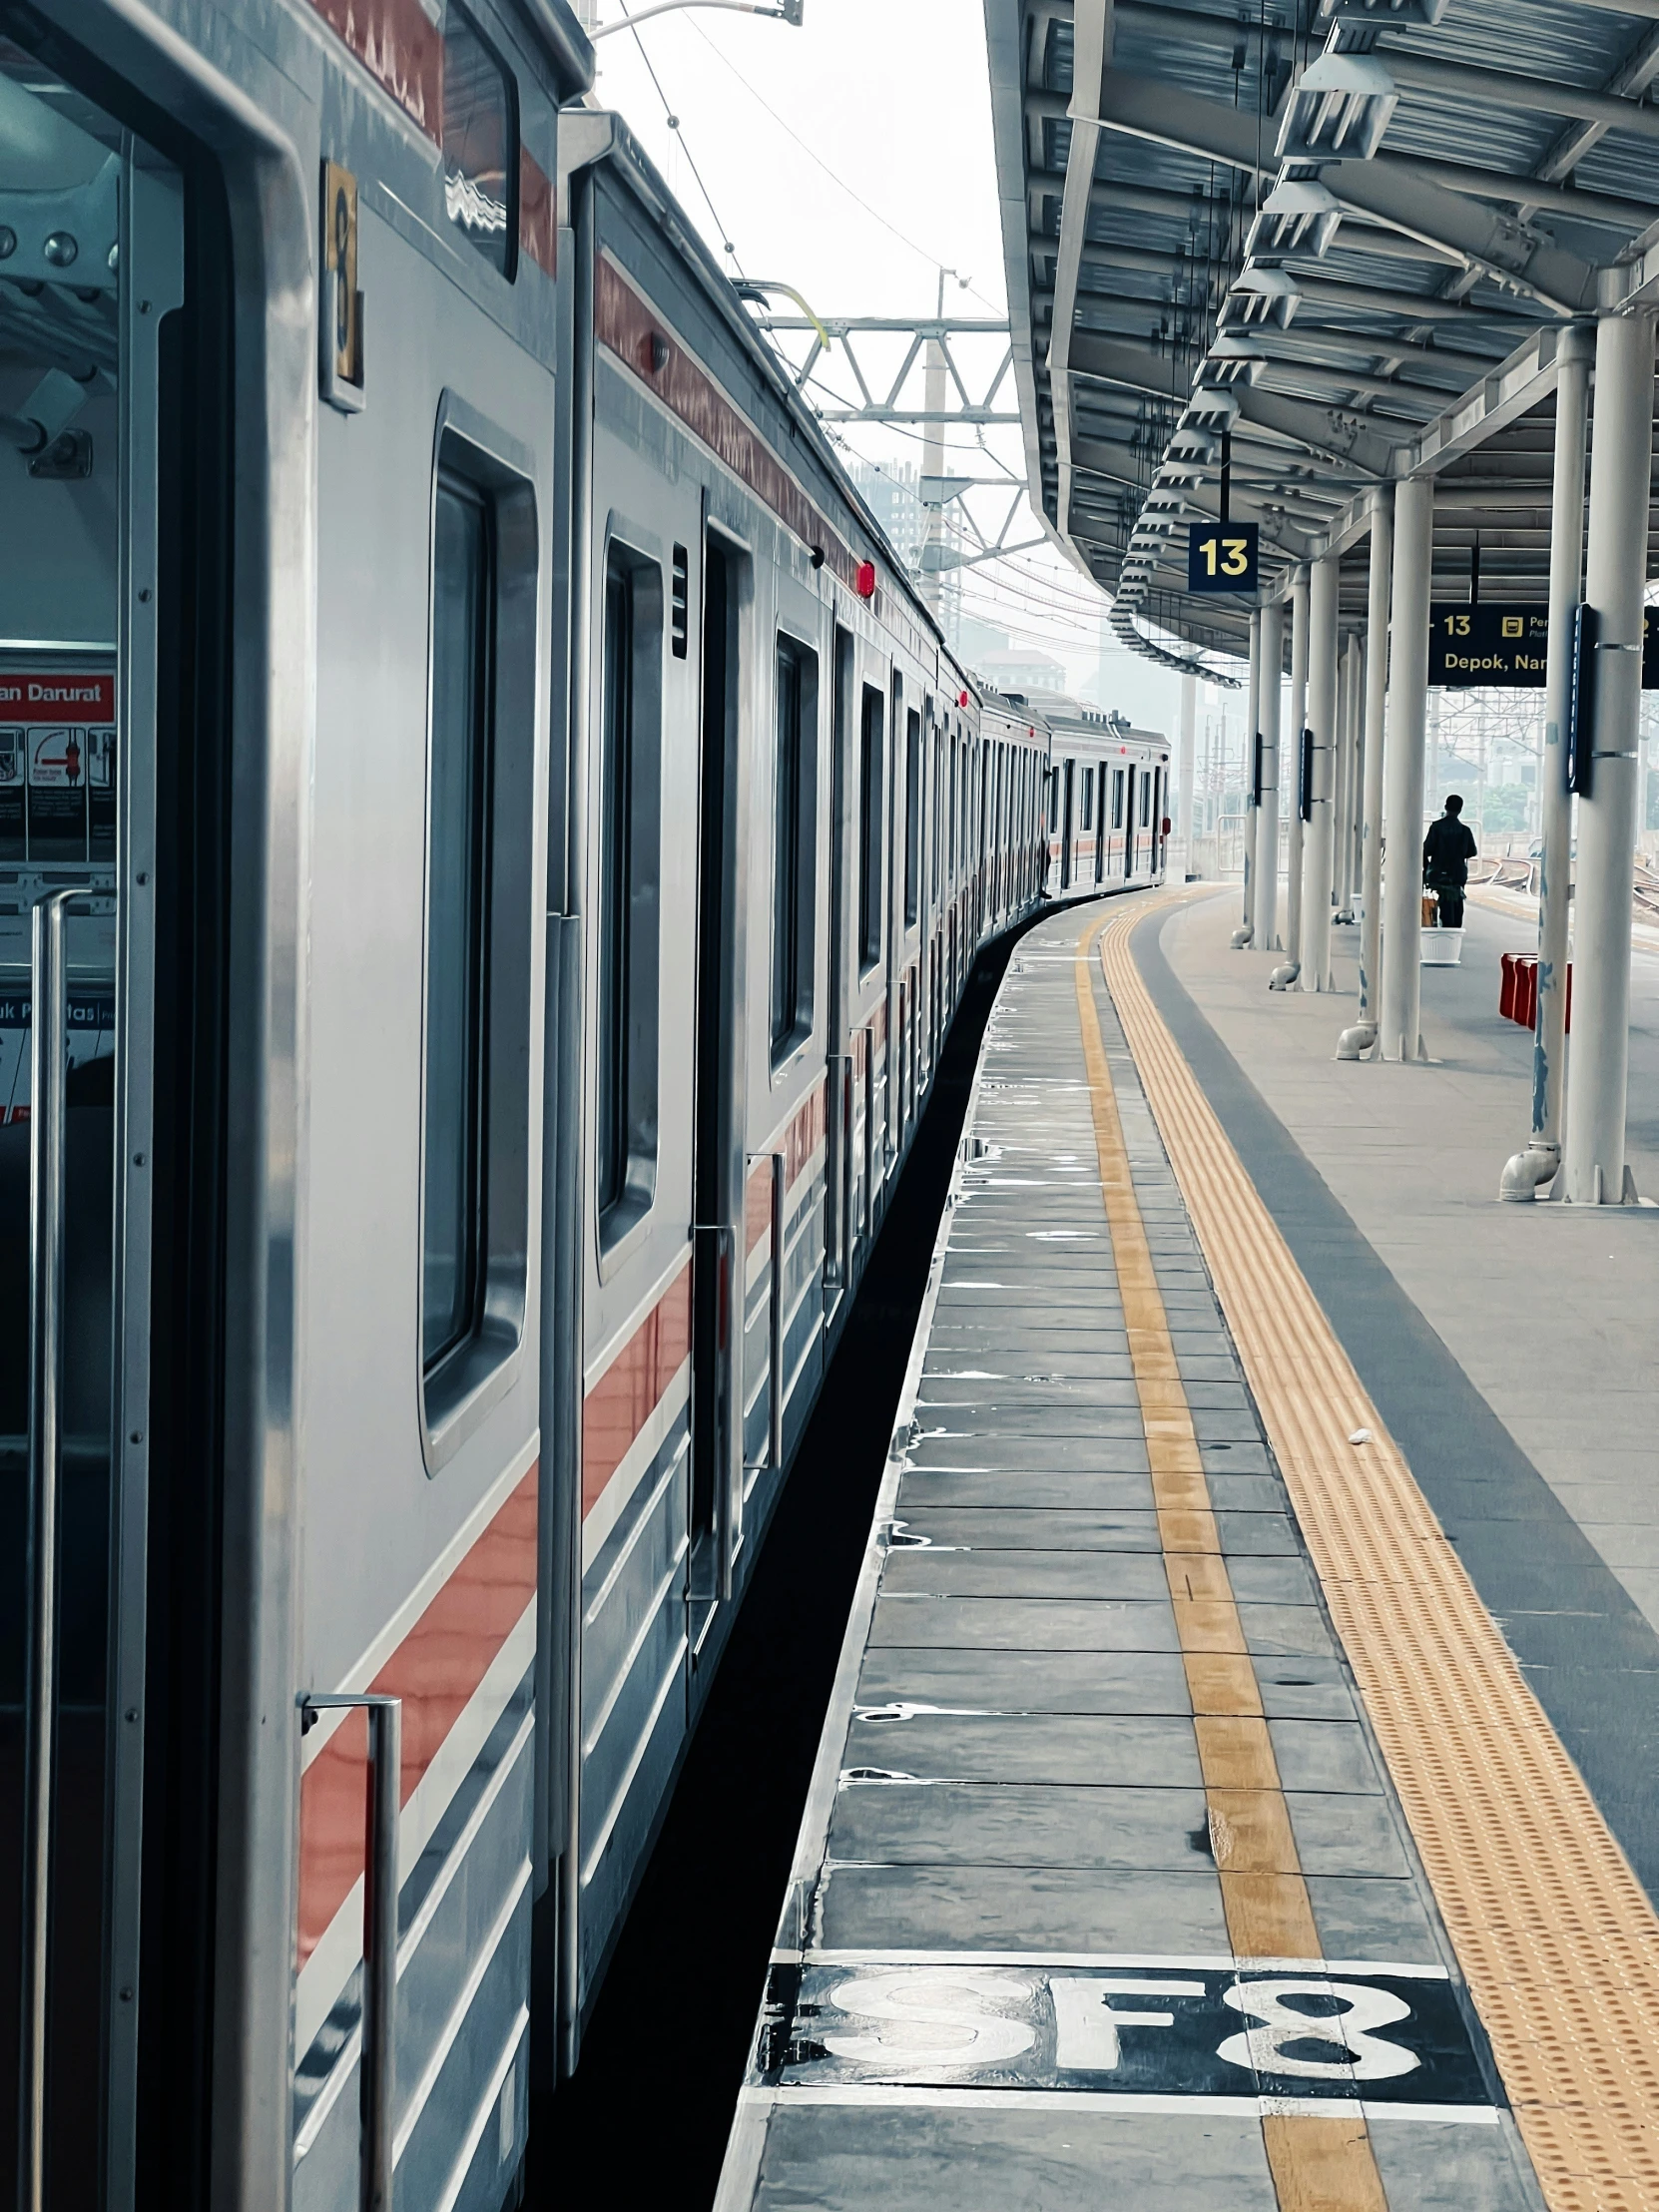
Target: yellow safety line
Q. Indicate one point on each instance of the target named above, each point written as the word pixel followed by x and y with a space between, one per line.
pixel 1555 1935
pixel 1318 2164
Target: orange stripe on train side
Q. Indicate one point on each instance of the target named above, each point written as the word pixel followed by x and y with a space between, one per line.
pixel 436 1670
pixel 631 1387
pixel 756 1204
pixel 538 222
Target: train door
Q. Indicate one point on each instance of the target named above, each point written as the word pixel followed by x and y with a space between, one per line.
pixel 1066 824
pixel 837 1208
pixel 103 643
pixel 718 1164
pixel 1129 797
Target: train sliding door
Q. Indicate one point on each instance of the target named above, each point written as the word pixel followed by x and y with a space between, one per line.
pixel 718 1164
pixel 93 648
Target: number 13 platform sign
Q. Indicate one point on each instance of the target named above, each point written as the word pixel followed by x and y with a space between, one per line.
pixel 1224 556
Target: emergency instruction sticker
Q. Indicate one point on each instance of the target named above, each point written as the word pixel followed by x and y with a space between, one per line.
pixel 57 766
pixel 1262 2035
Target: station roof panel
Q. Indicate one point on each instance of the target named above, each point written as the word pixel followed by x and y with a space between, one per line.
pixel 1202 246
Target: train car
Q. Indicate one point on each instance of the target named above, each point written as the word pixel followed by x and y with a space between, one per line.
pixel 787 779
pixel 1108 799
pixel 490 843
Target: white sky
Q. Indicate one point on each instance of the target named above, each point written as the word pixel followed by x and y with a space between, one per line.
pixel 856 190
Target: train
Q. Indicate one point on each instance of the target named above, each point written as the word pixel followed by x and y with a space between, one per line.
pixel 491 844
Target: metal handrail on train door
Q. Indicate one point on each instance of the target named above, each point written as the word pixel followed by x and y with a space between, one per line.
pixel 729 1341
pixel 378 2066
pixel 837 1135
pixel 775 1318
pixel 47 1095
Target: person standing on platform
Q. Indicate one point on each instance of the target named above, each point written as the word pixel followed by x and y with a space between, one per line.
pixel 1447 849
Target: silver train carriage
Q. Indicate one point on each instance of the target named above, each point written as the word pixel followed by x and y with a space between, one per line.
pixel 1108 799
pixel 490 845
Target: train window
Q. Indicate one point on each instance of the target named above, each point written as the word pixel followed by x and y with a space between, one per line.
pixel 1117 798
pixel 871 798
pixel 456 922
pixel 1053 800
pixel 1146 801
pixel 793 847
pixel 480 141
pixel 630 772
pixel 480 769
pixel 1088 799
pixel 912 816
pixel 952 848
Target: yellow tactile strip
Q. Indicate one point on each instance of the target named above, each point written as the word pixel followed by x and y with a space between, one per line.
pixel 1318 2164
pixel 1555 1936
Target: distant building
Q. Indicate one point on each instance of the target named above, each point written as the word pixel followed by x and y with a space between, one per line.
pixel 893 497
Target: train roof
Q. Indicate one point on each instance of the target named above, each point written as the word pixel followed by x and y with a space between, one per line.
pixel 805 445
pixel 1059 714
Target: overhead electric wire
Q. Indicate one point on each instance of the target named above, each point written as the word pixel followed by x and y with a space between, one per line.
pixel 934 261
pixel 673 121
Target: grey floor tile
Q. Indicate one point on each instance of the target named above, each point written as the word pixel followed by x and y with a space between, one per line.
pixel 1267 1534
pixel 1286 1631
pixel 1309 1689
pixel 1052 1489
pixel 1026 1681
pixel 952 1824
pixel 1039 1528
pixel 1073 1573
pixel 1372 1916
pixel 1125 1750
pixel 1244 1493
pixel 1325 1755
pixel 1346 1835
pixel 1048 1909
pixel 1025 1624
pixel 1451 2169
pixel 1272 1581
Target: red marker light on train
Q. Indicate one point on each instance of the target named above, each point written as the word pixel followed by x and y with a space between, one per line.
pixel 864 581
pixel 961 699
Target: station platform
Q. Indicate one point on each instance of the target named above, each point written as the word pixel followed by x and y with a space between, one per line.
pixel 1234 1788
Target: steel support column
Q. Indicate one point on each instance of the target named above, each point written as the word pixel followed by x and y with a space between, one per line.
pixel 1319 840
pixel 1527 1173
pixel 1290 968
pixel 1245 932
pixel 1348 762
pixel 1402 999
pixel 1363 1035
pixel 1266 813
pixel 1621 461
pixel 1186 765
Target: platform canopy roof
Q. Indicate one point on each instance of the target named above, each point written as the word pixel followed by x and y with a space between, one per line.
pixel 1344 234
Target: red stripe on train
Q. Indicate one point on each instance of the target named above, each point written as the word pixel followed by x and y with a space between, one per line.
pixel 435 1670
pixel 631 1387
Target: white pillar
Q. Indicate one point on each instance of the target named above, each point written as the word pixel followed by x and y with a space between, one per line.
pixel 1318 837
pixel 1363 1035
pixel 1287 972
pixel 1621 460
pixel 1414 564
pixel 1185 762
pixel 1267 814
pixel 1349 765
pixel 1246 931
pixel 1529 1170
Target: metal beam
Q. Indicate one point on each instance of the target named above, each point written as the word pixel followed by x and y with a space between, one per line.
pixel 1145 107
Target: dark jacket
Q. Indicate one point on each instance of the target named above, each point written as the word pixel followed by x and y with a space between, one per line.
pixel 1448 850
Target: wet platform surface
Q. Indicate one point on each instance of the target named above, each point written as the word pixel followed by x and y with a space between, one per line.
pixel 1104 1894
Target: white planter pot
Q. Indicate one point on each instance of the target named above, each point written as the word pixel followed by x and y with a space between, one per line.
pixel 1442 947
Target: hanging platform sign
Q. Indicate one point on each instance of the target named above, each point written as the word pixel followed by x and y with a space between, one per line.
pixel 1504 647
pixel 1489 646
pixel 1224 556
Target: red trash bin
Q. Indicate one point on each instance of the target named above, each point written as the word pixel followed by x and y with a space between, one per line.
pixel 1506 988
